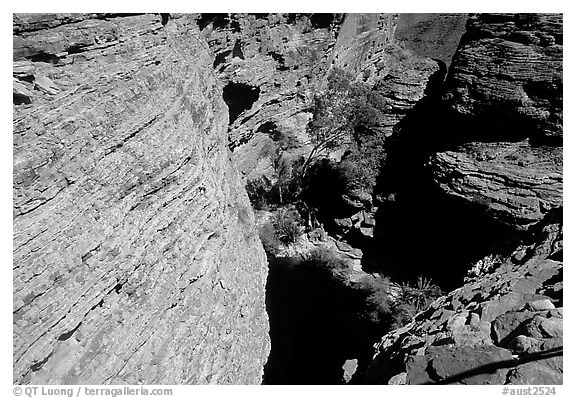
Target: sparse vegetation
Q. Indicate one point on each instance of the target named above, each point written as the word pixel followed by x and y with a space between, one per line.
pixel 324 260
pixel 287 226
pixel 413 299
pixel 269 239
pixel 283 229
pixel 378 305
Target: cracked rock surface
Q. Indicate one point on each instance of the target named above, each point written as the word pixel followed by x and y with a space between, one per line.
pixel 505 91
pixel 136 259
pixel 502 327
pixel 517 182
pixel 502 156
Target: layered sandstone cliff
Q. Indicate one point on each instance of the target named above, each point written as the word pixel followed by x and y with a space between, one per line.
pixel 505 91
pixel 500 162
pixel 135 255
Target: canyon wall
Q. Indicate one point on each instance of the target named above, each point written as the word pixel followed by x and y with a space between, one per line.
pixel 270 66
pixel 505 93
pixel 504 326
pixel 136 259
pixel 494 159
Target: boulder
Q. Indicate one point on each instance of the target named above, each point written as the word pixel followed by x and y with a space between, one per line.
pixel 23 68
pixel 21 94
pixel 44 84
pixel 349 367
pixel 541 305
pixel 462 365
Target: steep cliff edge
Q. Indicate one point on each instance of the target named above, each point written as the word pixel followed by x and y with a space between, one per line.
pixel 494 160
pixel 505 93
pixel 135 255
pixel 502 327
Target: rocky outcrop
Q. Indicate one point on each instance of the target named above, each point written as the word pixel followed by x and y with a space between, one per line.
pixel 281 57
pixel 502 327
pixel 505 93
pixel 508 74
pixel 435 36
pixel 493 157
pixel 361 46
pixel 273 65
pixel 517 182
pixel 136 259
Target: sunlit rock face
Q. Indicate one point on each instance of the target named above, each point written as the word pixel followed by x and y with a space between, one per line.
pixel 500 157
pixel 504 326
pixel 505 91
pixel 135 255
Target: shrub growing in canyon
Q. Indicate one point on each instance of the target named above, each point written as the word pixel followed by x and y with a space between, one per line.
pixel 283 229
pixel 378 305
pixel 258 193
pixel 269 239
pixel 347 115
pixel 287 226
pixel 413 299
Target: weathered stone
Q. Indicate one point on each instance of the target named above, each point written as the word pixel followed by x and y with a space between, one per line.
pixel 349 368
pixel 557 312
pixel 128 214
pixel 507 81
pixel 46 85
pixel 524 344
pixel 369 219
pixel 435 36
pixel 540 305
pixel 552 327
pixel 492 309
pixel 457 364
pixel 508 323
pixel 452 362
pixel 368 232
pixel 357 219
pixel 23 68
pixel 473 335
pixel 21 93
pixel 518 183
pixel 399 379
pixel 343 222
pixel 536 373
pixel 416 370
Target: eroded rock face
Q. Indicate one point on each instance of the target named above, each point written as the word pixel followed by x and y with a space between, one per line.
pixel 518 183
pixel 499 152
pixel 508 72
pixel 361 46
pixel 471 335
pixel 283 56
pixel 434 36
pixel 505 94
pixel 135 255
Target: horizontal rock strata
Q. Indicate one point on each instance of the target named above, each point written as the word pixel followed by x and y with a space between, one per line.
pixel 508 70
pixel 505 93
pixel 516 182
pixel 135 255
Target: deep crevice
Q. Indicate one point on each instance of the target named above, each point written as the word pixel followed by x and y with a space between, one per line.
pixel 315 325
pixel 239 97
